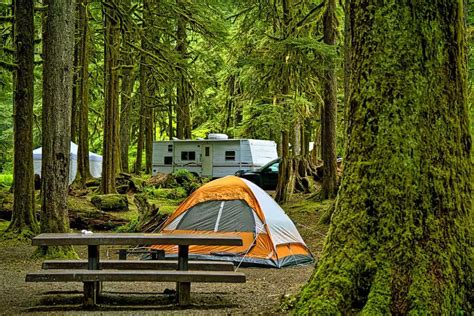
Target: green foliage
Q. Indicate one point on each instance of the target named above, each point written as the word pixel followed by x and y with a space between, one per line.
pixel 3 225
pixel 164 193
pixel 6 180
pixel 130 227
pixel 185 179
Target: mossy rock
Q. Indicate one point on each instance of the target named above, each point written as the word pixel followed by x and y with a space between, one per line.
pixel 110 202
pixel 162 193
pixel 185 179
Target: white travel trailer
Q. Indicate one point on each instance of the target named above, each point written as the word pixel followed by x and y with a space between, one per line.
pixel 214 157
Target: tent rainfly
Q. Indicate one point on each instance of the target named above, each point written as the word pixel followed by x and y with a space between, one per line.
pixel 95 163
pixel 232 205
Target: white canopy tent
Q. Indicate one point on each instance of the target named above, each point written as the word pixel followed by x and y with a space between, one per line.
pixel 95 163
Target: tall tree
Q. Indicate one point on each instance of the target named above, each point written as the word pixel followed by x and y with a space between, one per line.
pixel 329 110
pixel 58 44
pixel 286 176
pixel 144 85
pixel 128 81
pixel 150 84
pixel 399 241
pixel 24 221
pixel 83 171
pixel 111 148
pixel 183 116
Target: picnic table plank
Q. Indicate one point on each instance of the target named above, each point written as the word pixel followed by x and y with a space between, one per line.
pixel 139 265
pixel 134 275
pixel 60 239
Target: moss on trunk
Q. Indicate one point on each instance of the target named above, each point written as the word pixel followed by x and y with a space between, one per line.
pixel 399 237
pixel 24 223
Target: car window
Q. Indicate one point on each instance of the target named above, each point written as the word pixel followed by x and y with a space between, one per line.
pixel 266 167
pixel 274 167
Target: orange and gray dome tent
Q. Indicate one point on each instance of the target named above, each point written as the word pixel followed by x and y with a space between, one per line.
pixel 232 205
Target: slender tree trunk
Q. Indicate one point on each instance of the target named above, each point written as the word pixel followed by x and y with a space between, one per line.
pixel 75 84
pixel 83 167
pixel 230 104
pixel 400 241
pixel 128 81
pixel 149 133
pixel 347 66
pixel 145 88
pixel 58 44
pixel 329 110
pixel 24 223
pixel 141 119
pixel 170 117
pixel 183 126
pixel 286 176
pixel 111 153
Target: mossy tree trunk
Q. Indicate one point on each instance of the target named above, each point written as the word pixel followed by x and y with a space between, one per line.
pixel 329 109
pixel 286 175
pixel 141 119
pixel 149 135
pixel 128 81
pixel 151 91
pixel 24 223
pixel 183 116
pixel 399 236
pixel 58 44
pixel 111 152
pixel 83 167
pixel 147 87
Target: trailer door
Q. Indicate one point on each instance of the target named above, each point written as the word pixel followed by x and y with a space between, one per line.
pixel 206 160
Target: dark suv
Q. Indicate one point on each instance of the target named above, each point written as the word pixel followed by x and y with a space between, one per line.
pixel 265 177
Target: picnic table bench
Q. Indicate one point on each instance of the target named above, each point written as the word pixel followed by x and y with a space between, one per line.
pixel 93 271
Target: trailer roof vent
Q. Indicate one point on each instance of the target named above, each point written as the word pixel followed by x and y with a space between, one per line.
pixel 217 136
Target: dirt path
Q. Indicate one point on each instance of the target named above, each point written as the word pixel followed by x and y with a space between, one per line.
pixel 261 293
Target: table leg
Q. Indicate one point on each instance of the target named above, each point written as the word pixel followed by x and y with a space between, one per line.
pixel 183 289
pixel 92 289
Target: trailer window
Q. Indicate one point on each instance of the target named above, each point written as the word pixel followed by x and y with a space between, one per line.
pixel 168 160
pixel 230 155
pixel 188 155
pixel 170 148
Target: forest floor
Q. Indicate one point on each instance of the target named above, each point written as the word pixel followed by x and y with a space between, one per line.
pixel 261 294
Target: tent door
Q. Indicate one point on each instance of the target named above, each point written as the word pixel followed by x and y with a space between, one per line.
pixel 206 156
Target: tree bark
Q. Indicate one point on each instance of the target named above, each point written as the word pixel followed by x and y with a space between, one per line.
pixel 149 133
pixel 183 118
pixel 286 176
pixel 399 241
pixel 83 167
pixel 58 69
pixel 329 110
pixel 141 119
pixel 75 84
pixel 24 223
pixel 111 152
pixel 128 81
pixel 347 66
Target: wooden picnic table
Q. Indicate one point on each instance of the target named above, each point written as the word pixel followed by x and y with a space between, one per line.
pixel 93 241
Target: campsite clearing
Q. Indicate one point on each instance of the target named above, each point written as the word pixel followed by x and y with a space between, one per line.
pixel 260 294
